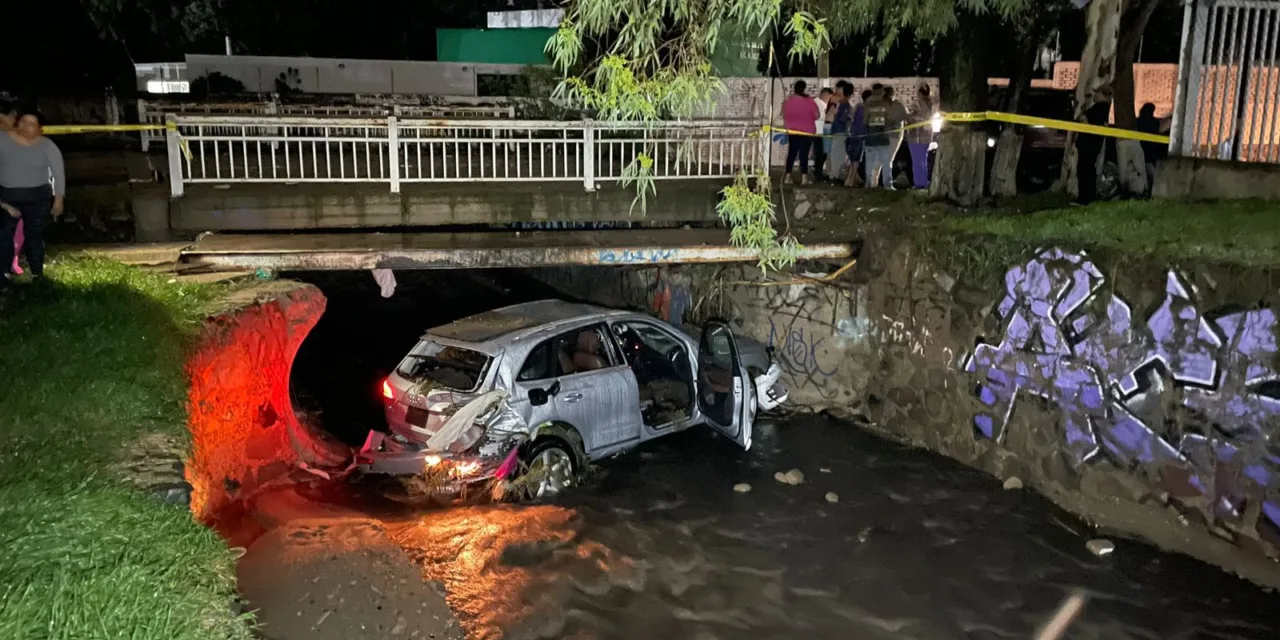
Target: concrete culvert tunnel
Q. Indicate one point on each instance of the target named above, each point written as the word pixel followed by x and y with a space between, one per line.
pixel 362 336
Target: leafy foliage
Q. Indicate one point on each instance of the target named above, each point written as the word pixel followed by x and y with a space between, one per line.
pixel 646 60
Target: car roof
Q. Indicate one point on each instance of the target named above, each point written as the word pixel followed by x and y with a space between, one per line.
pixel 517 320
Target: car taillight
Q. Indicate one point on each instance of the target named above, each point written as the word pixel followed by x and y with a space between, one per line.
pixel 387 391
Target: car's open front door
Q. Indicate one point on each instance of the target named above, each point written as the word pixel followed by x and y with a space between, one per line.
pixel 724 394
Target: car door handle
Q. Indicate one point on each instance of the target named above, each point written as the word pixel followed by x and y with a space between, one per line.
pixel 572 397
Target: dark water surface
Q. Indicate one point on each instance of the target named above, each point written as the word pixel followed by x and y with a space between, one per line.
pixel 660 546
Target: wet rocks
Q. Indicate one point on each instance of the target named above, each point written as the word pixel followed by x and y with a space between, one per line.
pixel 1100 547
pixel 832 497
pixel 1013 483
pixel 793 477
pixel 742 487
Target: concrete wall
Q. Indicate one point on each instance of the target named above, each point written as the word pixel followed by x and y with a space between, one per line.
pixel 1142 399
pixel 337 206
pixel 1197 179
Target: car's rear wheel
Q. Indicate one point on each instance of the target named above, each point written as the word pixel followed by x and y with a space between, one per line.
pixel 550 469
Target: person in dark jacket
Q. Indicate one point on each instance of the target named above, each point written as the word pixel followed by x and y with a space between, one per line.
pixel 1088 146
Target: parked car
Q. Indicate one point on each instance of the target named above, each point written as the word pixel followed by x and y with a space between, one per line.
pixel 550 386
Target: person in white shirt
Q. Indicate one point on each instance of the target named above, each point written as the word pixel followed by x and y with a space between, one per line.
pixel 823 149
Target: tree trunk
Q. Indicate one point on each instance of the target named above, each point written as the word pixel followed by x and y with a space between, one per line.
pixel 1129 157
pixel 1097 73
pixel 959 176
pixel 1004 169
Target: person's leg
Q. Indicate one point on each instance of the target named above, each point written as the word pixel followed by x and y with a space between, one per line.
pixel 884 166
pixel 17 248
pixel 804 143
pixel 820 159
pixel 793 148
pixel 8 224
pixel 919 164
pixel 34 214
pixel 1151 178
pixel 838 153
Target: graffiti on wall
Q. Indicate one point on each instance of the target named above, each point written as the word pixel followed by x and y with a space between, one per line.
pixel 1187 400
pixel 809 330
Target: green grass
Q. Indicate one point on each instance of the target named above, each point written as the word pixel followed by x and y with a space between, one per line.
pixel 89 363
pixel 1245 233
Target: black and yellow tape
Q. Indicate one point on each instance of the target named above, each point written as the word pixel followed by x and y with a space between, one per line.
pixel 66 129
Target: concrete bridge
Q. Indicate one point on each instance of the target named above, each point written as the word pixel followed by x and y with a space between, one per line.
pixel 418 177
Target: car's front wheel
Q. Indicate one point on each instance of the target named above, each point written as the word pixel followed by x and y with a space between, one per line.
pixel 550 468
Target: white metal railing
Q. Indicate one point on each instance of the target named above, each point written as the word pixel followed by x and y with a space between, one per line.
pixel 1228 97
pixel 155 113
pixel 293 149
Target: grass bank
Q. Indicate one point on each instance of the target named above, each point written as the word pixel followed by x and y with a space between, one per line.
pixel 89 363
pixel 1240 233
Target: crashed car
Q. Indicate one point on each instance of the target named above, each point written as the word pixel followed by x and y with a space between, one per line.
pixel 550 386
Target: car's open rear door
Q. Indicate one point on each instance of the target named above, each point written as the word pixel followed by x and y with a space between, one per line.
pixel 725 396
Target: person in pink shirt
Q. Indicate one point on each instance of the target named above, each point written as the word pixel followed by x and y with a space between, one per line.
pixel 800 115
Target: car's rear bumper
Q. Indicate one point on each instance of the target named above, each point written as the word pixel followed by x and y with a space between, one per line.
pixel 382 455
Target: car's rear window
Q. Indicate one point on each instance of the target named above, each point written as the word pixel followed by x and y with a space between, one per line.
pixel 452 367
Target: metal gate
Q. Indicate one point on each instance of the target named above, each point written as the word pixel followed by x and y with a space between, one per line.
pixel 1228 98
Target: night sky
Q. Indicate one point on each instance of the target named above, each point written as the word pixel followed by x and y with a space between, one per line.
pixel 76 57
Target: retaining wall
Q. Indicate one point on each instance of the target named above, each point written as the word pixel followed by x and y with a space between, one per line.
pixel 245 433
pixel 1141 397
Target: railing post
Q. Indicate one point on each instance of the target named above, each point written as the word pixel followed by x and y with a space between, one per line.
pixel 393 153
pixel 589 156
pixel 173 143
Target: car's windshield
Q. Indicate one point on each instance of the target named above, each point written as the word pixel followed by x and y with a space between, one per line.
pixel 453 367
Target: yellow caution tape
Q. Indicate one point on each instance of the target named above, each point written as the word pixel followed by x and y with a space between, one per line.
pixel 63 129
pixel 1013 118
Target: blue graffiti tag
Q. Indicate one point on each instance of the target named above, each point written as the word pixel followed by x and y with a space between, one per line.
pixel 799 352
pixel 638 256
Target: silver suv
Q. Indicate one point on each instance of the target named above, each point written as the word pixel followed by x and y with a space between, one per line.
pixel 553 385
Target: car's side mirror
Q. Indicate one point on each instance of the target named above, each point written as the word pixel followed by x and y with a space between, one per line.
pixel 539 397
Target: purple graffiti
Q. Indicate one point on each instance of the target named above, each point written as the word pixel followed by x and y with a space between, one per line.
pixel 1113 379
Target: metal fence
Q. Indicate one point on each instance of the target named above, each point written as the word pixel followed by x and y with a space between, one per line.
pixel 293 149
pixel 1228 98
pixel 155 113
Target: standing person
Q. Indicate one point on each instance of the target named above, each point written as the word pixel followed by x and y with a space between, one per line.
pixel 840 129
pixel 799 115
pixel 8 120
pixel 27 162
pixel 879 145
pixel 918 139
pixel 1088 146
pixel 1152 152
pixel 855 145
pixel 822 148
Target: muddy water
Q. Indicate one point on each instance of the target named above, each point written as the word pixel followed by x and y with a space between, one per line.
pixel 660 546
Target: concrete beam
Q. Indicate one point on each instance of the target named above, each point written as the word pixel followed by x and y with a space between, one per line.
pixel 333 252
pixel 270 207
